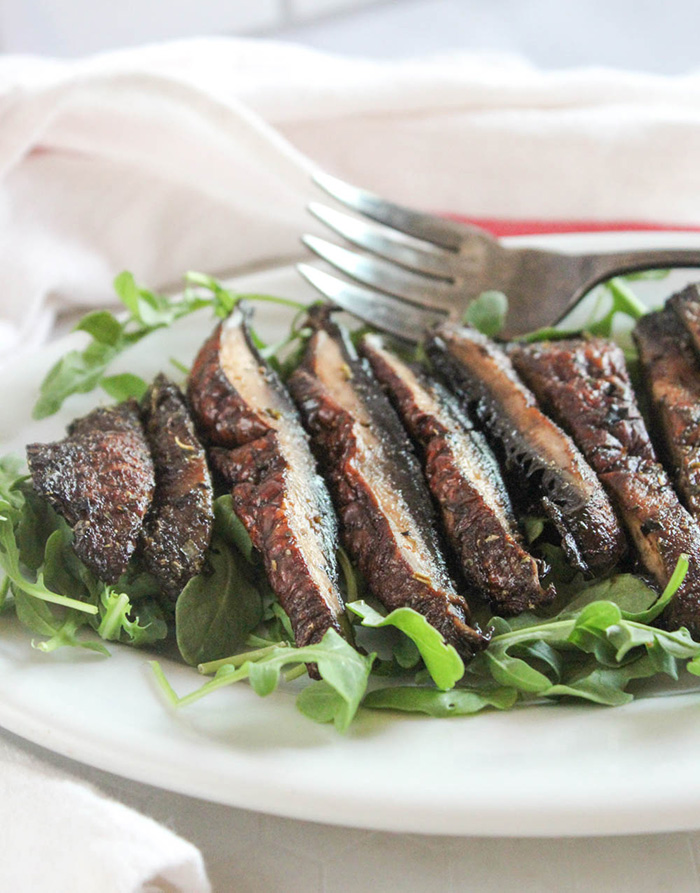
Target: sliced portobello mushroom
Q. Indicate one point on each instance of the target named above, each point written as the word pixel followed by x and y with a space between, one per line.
pixel 686 306
pixel 386 516
pixel 584 383
pixel 672 378
pixel 466 483
pixel 662 531
pixel 177 530
pixel 242 407
pixel 100 478
pixel 536 450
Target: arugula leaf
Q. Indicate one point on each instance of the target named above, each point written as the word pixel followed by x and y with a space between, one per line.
pixel 625 590
pixel 602 685
pixel 65 636
pixel 533 527
pixel 406 653
pixel 120 621
pixel 34 613
pixel 351 579
pixel 442 661
pixel 35 524
pixel 60 628
pixel 12 504
pixel 218 608
pixel 487 313
pixel 62 569
pixel 632 596
pixel 275 628
pixel 319 701
pixel 591 650
pixel 232 529
pixel 103 327
pixel 343 669
pixel 80 371
pixel 411 699
pixel 226 300
pixel 122 387
pixel 59 625
pixel 76 373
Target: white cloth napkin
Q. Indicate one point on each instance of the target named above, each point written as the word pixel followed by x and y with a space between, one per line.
pixel 197 155
pixel 63 836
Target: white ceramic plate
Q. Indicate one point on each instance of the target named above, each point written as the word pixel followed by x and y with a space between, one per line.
pixel 551 770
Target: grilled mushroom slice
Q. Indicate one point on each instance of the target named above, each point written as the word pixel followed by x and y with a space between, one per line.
pixel 663 531
pixel 585 384
pixel 178 528
pixel 100 479
pixel 385 511
pixel 465 481
pixel 686 306
pixel 672 375
pixel 241 405
pixel 537 451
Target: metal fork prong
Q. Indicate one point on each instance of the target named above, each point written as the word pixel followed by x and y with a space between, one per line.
pixel 445 233
pixel 381 311
pixel 421 257
pixel 383 276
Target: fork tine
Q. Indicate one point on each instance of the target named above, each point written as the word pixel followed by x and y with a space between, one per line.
pixel 381 311
pixel 389 244
pixel 444 233
pixel 382 275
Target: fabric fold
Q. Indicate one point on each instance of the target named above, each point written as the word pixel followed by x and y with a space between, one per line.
pixel 62 835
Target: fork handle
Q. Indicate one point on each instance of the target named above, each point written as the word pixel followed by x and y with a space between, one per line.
pixel 599 267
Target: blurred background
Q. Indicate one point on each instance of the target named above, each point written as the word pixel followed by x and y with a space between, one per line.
pixel 634 34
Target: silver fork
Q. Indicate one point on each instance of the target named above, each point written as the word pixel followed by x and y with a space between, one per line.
pixel 420 269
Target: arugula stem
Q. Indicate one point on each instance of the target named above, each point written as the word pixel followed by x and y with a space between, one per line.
pixel 285 302
pixel 625 299
pixel 295 673
pixel 185 370
pixel 237 660
pixel 219 681
pixel 46 595
pixel 65 635
pixel 111 622
pixel 163 683
pixel 272 349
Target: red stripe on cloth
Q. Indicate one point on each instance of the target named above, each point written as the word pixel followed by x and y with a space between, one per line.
pixel 498 227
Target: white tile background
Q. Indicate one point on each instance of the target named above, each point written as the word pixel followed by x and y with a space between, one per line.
pixel 76 27
pixel 641 34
